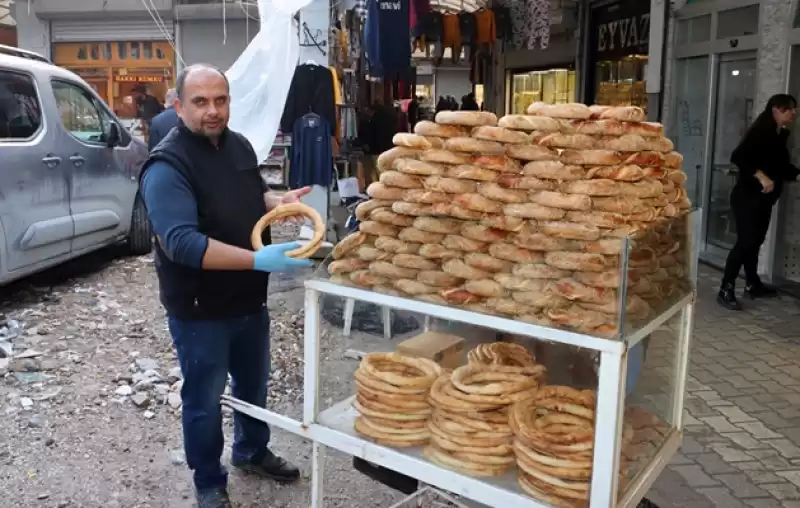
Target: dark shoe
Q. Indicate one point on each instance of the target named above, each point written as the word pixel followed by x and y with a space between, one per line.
pixel 272 467
pixel 727 298
pixel 213 498
pixel 760 290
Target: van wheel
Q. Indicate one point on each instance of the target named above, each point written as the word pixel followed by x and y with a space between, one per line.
pixel 139 242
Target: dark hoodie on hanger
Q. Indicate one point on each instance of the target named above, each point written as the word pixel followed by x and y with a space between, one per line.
pixel 311 91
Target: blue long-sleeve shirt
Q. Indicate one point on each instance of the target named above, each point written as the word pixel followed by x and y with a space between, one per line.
pixel 172 209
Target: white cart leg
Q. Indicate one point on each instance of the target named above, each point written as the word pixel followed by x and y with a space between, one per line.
pixel 317 474
pixel 427 326
pixel 387 323
pixel 608 427
pixel 311 358
pixel 682 364
pixel 349 308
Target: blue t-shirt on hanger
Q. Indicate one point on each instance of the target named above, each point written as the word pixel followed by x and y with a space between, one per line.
pixel 387 37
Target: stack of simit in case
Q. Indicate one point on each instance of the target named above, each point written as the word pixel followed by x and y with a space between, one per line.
pixel 525 217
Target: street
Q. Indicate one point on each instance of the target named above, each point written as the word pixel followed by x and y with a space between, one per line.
pixel 90 404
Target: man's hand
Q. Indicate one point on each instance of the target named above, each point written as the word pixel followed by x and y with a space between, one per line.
pixel 272 199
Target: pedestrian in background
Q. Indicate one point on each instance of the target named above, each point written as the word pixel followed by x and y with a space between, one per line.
pixel 763 161
pixel 164 121
pixel 204 194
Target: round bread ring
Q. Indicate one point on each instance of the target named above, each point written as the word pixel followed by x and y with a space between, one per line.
pixel 450 446
pixel 563 462
pixel 395 424
pixel 557 502
pixel 501 400
pixel 522 418
pixel 429 371
pixel 560 473
pixel 291 210
pixel 502 380
pixel 456 429
pixel 560 488
pixel 468 440
pixel 391 440
pixel 380 407
pixel 411 401
pixel 481 459
pixel 370 413
pixel 446 460
pixel 382 386
pixel 476 424
pixel 441 399
pixel 396 432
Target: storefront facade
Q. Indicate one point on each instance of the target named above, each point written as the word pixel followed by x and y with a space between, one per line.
pixel 617 39
pixel 726 58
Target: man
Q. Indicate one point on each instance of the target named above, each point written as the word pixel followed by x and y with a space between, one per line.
pixel 147 107
pixel 204 193
pixel 164 121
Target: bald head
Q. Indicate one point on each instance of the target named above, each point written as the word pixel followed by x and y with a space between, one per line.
pixel 170 97
pixel 203 99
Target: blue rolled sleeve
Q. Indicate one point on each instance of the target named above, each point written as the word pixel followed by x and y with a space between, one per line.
pixel 172 208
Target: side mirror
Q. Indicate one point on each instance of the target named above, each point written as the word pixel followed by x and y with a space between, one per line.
pixel 113 136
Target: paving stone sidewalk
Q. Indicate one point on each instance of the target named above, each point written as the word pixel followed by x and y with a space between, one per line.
pixel 742 419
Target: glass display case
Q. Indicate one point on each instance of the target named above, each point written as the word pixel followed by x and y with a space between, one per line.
pixel 621 82
pixel 503 411
pixel 553 86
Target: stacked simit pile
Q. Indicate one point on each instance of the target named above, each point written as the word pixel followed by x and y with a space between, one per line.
pixel 554 442
pixel 525 217
pixel 392 398
pixel 469 428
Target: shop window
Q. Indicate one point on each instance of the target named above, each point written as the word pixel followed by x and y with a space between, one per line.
pixel 694 29
pixel 81 55
pixel 160 54
pixel 107 51
pixel 94 50
pixel 738 22
pixel 147 50
pixel 553 86
pixel 135 55
pixel 20 112
pixel 77 111
pixel 122 50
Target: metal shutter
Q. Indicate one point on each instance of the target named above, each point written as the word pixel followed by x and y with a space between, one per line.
pixel 103 31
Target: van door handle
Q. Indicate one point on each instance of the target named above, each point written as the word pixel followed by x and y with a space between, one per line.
pixel 77 160
pixel 51 161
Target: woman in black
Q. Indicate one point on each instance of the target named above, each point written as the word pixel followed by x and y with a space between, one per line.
pixel 763 161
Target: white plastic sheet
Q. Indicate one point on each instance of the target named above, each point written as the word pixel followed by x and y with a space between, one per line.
pixel 261 76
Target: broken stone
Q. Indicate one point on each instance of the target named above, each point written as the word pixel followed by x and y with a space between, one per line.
pixel 124 390
pixel 174 374
pixel 140 399
pixel 26 402
pixel 149 415
pixel 145 364
pixel 36 422
pixel 29 353
pixel 24 365
pixel 6 349
pixel 174 400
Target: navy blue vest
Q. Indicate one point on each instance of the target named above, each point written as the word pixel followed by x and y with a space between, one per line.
pixel 229 190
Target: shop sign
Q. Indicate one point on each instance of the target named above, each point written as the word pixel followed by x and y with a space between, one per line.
pixel 128 78
pixel 621 29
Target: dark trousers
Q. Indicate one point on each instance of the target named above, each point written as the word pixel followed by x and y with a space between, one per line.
pixel 752 214
pixel 207 352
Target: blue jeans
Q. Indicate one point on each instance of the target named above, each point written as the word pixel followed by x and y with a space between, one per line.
pixel 207 352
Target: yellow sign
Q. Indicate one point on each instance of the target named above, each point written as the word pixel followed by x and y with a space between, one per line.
pixel 139 79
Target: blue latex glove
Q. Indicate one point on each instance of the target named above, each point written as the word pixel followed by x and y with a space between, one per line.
pixel 272 258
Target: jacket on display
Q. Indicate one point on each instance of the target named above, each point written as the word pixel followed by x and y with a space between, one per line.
pixel 312 91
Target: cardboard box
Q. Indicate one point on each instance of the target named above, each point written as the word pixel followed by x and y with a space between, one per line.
pixel 445 349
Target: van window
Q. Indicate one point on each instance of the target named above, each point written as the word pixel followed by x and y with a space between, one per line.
pixel 20 111
pixel 78 113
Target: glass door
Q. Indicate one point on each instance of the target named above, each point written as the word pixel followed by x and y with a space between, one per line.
pixel 736 90
pixel 690 125
pixel 787 245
